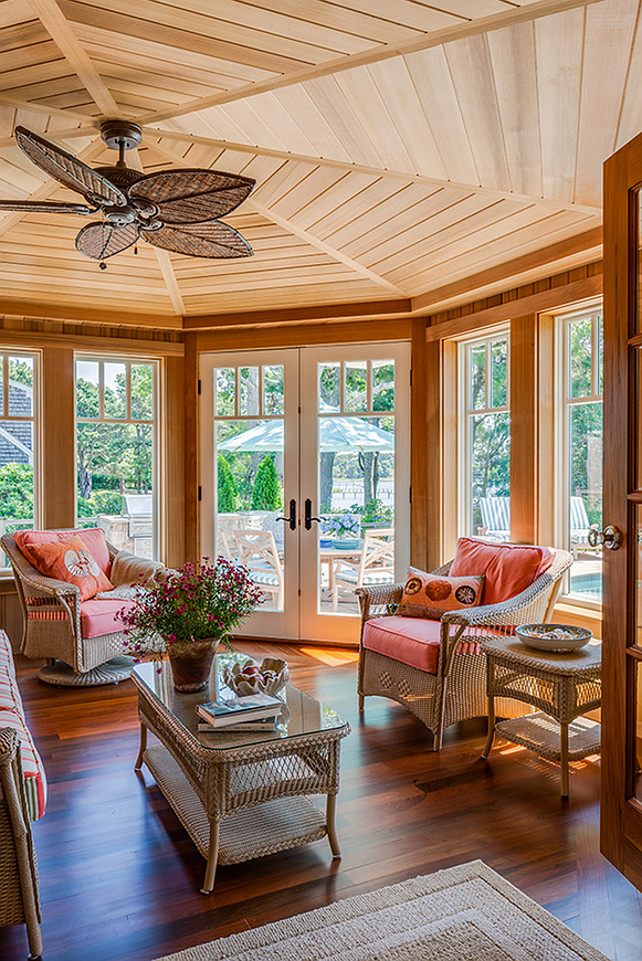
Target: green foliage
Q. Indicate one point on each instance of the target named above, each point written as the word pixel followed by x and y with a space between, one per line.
pixel 101 502
pixel 377 514
pixel 16 491
pixel 266 495
pixel 227 490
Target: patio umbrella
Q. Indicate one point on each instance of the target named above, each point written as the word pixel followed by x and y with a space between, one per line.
pixel 335 434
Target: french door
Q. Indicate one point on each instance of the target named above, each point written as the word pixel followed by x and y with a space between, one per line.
pixel 304 475
pixel 621 796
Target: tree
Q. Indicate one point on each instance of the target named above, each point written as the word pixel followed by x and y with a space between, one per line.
pixel 227 490
pixel 266 495
pixel 16 485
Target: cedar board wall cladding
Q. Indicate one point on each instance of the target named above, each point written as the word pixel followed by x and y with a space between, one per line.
pixel 526 309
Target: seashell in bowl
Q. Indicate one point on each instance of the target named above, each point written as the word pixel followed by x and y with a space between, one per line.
pixel 553 637
pixel 271 676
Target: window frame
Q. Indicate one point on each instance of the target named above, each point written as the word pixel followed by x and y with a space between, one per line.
pixel 465 412
pixel 563 404
pixel 154 421
pixel 7 351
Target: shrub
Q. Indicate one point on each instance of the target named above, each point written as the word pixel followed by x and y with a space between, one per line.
pixel 266 495
pixel 227 489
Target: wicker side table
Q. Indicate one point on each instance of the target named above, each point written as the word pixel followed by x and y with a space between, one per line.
pixel 562 685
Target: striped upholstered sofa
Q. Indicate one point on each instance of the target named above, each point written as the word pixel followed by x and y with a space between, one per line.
pixel 23 791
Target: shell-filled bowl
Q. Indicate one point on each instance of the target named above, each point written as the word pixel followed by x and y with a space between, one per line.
pixel 553 637
pixel 268 677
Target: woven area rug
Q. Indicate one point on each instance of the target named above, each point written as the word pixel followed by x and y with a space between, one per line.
pixel 466 913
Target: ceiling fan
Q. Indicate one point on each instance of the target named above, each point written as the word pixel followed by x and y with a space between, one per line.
pixel 174 209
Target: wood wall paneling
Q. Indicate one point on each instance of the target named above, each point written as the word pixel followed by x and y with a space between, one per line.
pixel 546 432
pixel 58 438
pixel 191 465
pixel 422 379
pixel 523 429
pixel 173 458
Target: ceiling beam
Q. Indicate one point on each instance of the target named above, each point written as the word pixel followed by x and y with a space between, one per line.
pixel 470 28
pixel 44 109
pixel 384 173
pixel 318 244
pixel 115 317
pixel 58 28
pixel 587 244
pixel 72 133
pixel 299 315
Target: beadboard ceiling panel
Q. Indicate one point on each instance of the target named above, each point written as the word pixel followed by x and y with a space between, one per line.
pixel 397 145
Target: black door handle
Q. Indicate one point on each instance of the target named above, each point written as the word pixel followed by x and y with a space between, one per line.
pixel 308 514
pixel 291 519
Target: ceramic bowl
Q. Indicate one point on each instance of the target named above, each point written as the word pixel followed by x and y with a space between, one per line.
pixel 553 637
pixel 243 686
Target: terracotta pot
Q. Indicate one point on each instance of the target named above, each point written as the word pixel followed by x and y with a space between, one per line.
pixel 191 667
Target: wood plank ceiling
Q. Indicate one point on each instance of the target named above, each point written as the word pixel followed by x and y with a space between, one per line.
pixel 398 146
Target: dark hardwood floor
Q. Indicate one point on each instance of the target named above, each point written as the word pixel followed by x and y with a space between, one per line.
pixel 120 877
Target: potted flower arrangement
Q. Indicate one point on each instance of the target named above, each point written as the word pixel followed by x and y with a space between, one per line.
pixel 187 613
pixel 343 529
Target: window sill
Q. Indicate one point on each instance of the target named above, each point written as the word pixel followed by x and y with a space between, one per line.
pixel 590 618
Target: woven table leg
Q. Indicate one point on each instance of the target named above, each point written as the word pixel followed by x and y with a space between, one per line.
pixel 212 858
pixel 330 809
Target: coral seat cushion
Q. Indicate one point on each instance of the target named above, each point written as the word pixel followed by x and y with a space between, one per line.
pixel 94 538
pixel 67 559
pixel 100 617
pixel 12 715
pixel 412 640
pixel 508 568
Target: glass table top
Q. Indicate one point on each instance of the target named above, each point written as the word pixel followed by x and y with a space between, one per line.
pixel 301 713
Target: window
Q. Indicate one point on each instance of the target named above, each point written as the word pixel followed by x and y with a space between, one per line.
pixel 19 474
pixel 117 450
pixel 580 339
pixel 484 442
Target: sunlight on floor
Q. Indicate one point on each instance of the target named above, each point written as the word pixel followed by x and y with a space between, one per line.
pixel 333 658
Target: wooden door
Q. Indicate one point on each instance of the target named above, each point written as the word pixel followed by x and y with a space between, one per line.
pixel 621 811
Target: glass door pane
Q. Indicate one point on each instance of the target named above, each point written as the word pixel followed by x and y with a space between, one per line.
pixel 249 475
pixel 354 474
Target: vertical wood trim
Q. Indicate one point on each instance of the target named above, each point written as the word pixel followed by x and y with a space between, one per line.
pixel 546 432
pixel 523 429
pixel 619 172
pixel 58 441
pixel 449 466
pixel 422 531
pixel 174 461
pixel 191 428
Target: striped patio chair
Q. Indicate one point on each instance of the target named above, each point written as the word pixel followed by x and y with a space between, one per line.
pixel 578 523
pixel 495 513
pixel 376 565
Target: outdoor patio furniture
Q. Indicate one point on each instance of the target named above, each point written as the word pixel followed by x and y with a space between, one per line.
pixel 375 564
pixel 437 668
pixel 495 512
pixel 256 550
pixel 83 641
pixel 579 524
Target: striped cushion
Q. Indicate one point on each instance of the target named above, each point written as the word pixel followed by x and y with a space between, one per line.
pixel 369 577
pixel 265 577
pixel 12 715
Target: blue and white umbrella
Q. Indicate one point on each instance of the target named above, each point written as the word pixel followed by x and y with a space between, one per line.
pixel 335 434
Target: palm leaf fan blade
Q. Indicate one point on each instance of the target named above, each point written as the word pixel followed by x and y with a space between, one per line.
pixel 100 240
pixel 67 169
pixel 192 196
pixel 213 240
pixel 45 206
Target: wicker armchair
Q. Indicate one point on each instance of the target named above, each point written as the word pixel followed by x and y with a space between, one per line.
pixel 458 688
pixel 19 897
pixel 52 628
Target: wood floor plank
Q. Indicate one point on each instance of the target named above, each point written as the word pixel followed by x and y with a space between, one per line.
pixel 120 877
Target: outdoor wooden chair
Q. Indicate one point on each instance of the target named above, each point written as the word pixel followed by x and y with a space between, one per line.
pixel 256 550
pixel 452 684
pixel 376 565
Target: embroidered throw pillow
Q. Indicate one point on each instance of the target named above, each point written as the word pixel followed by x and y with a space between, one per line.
pixel 68 560
pixel 431 595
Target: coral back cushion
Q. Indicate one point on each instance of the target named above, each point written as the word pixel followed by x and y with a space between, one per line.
pixel 94 538
pixel 509 568
pixel 67 559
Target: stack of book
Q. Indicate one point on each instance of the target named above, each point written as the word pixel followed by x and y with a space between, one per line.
pixel 255 712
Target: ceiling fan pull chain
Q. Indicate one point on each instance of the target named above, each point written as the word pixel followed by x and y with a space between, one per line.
pixel 135 250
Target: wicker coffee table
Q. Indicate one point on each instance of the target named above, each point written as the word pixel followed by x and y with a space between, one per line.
pixel 240 795
pixel 563 686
